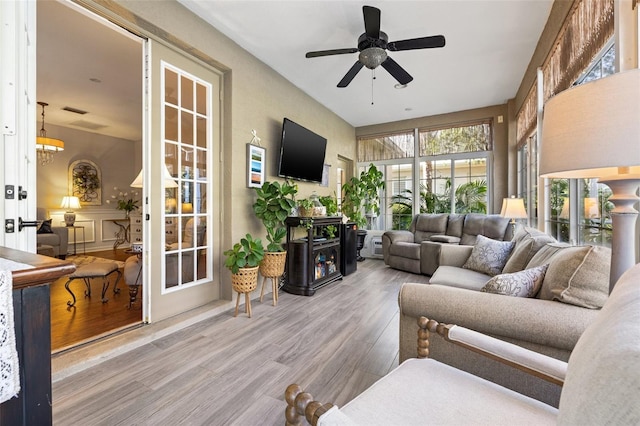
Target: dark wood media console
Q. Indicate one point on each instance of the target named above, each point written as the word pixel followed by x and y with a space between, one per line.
pixel 314 260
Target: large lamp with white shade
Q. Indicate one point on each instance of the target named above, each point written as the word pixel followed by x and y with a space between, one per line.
pixel 593 131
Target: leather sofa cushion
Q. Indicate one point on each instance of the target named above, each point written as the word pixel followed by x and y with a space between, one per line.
pixel 430 224
pixel 455 225
pixel 408 250
pixel 491 226
pixel 447 239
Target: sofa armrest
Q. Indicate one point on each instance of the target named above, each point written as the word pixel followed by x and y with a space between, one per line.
pixel 393 237
pixel 433 255
pixel 63 233
pixel 531 362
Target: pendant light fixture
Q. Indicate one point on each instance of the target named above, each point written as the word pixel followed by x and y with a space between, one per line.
pixel 46 147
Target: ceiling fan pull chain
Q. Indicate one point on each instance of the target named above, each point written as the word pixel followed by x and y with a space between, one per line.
pixel 373 77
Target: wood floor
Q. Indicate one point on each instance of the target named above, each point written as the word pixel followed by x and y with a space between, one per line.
pixel 228 370
pixel 90 318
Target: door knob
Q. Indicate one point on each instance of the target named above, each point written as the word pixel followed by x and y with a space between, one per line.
pixel 25 223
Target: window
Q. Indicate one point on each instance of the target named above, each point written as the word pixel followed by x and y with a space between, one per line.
pixel 451 164
pixel 186 148
pixel 583 52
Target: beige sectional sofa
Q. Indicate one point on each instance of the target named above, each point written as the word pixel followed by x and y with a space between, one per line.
pixel 573 286
pixel 413 250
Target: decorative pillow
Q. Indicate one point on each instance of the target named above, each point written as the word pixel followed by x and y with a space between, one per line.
pixel 528 242
pixel 525 283
pixel 578 276
pixel 489 256
pixel 45 227
pixel 545 254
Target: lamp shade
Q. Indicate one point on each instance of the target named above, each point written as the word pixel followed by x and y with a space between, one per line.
pixel 513 208
pixel 70 202
pixel 169 182
pixel 591 130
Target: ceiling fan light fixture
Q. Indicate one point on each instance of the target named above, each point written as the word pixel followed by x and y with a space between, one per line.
pixel 372 57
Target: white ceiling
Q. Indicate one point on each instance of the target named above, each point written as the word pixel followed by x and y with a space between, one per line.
pixel 488 46
pixel 72 49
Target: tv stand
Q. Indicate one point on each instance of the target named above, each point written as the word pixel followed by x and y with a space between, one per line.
pixel 312 261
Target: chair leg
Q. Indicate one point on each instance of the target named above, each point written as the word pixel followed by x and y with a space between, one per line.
pixel 105 287
pixel 116 290
pixel 237 304
pixel 69 303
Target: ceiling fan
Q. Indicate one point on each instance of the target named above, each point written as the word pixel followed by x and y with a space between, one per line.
pixel 373 46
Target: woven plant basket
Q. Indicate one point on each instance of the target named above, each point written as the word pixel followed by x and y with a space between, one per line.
pixel 245 280
pixel 273 263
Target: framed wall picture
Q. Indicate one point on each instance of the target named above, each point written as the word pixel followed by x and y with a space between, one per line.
pixel 85 182
pixel 256 163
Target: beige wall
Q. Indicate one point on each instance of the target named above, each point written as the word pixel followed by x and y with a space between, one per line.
pixel 255 97
pixel 115 157
pixel 500 139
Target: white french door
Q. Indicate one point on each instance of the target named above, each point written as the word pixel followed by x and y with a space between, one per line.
pixel 181 164
pixel 17 124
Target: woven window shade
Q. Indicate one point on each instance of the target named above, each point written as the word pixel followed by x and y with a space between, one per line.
pixel 526 120
pixel 386 147
pixel 586 29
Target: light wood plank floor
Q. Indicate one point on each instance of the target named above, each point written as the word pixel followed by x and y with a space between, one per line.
pixel 228 370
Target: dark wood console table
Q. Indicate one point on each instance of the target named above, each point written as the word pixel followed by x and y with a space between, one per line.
pixel 33 336
pixel 312 261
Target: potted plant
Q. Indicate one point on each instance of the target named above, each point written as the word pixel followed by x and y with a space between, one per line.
pixel 274 204
pixel 362 200
pixel 243 260
pixel 330 202
pixel 362 196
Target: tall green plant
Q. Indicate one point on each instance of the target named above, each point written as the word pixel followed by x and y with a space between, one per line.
pixel 273 205
pixel 362 195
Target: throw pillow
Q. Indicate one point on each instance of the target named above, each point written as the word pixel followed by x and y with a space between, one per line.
pixel 488 256
pixel 578 276
pixel 528 241
pixel 525 283
pixel 546 253
pixel 45 227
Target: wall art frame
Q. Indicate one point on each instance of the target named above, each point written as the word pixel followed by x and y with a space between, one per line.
pixel 256 165
pixel 85 182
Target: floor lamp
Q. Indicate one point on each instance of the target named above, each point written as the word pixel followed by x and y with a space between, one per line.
pixel 593 131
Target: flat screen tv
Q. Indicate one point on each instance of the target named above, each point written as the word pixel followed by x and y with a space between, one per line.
pixel 301 153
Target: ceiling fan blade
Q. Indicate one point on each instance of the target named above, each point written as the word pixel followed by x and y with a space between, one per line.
pixel 330 52
pixel 417 43
pixel 396 71
pixel 371 21
pixel 350 74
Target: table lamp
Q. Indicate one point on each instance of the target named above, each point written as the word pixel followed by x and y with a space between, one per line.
pixel 513 208
pixel 169 181
pixel 593 131
pixel 69 203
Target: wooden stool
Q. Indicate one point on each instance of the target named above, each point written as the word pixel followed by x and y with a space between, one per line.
pixel 94 270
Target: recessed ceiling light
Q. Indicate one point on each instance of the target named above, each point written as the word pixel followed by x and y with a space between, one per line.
pixel 95 80
pixel 400 86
